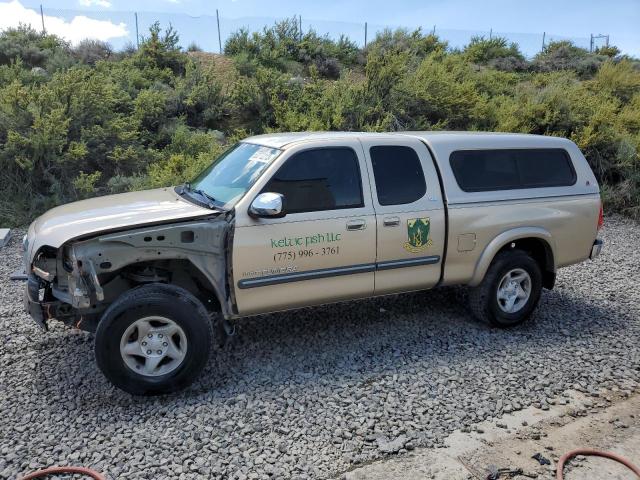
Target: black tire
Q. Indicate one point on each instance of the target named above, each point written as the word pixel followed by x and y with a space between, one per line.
pixel 483 300
pixel 167 301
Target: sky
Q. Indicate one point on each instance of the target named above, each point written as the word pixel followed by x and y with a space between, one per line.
pixel 523 21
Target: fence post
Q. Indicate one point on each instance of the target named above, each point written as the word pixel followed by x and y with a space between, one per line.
pixel 300 26
pixel 433 32
pixel 137 34
pixel 490 33
pixel 365 34
pixel 544 34
pixel 219 37
pixel 42 18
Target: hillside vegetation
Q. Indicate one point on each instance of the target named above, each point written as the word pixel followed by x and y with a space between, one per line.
pixel 83 121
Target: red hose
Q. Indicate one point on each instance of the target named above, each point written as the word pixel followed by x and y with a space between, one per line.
pixel 595 453
pixel 57 470
pixel 559 472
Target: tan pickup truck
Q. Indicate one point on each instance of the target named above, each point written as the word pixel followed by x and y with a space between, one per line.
pixel 297 219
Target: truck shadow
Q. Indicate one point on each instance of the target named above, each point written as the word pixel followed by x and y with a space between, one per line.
pixel 337 345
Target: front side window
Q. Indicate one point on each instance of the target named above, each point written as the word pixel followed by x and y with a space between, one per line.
pixel 228 178
pixel 506 169
pixel 319 179
pixel 398 174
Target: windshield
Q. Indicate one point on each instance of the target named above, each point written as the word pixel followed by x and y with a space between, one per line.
pixel 227 179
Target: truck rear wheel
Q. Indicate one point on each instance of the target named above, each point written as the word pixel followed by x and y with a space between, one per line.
pixel 510 290
pixel 153 339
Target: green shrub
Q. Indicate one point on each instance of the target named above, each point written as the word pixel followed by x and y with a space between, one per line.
pixel 92 51
pixel 33 48
pixel 564 55
pixel 82 121
pixel 285 48
pixel 483 50
pixel 415 43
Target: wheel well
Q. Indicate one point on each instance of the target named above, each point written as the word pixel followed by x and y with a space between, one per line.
pixel 541 252
pixel 178 272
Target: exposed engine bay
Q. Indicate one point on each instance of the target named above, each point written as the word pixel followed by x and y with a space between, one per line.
pixel 77 282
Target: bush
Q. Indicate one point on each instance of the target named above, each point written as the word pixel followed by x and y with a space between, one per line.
pixel 415 43
pixel 83 121
pixel 440 95
pixel 482 50
pixel 608 51
pixel 161 50
pixel 564 55
pixel 91 51
pixel 509 64
pixel 285 48
pixel 328 67
pixel 34 49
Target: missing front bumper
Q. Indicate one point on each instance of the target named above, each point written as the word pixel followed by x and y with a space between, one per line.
pixel 43 308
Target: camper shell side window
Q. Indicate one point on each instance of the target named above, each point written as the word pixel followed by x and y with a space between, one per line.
pixel 514 168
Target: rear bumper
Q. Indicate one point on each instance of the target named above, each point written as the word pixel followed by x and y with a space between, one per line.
pixel 596 249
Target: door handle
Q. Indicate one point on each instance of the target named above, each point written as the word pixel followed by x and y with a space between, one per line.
pixel 356 225
pixel 391 221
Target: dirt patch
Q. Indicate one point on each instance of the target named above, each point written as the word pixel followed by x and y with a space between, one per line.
pixel 608 421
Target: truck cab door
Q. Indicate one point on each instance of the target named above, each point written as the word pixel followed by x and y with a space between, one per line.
pixel 410 215
pixel 323 249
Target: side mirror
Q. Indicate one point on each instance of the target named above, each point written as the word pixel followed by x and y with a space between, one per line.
pixel 267 205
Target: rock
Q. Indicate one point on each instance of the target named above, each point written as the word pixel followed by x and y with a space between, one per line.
pixel 391 446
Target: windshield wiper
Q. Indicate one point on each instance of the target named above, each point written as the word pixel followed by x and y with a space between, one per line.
pixel 210 199
pixel 207 199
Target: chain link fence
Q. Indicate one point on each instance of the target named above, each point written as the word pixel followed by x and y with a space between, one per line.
pixel 203 30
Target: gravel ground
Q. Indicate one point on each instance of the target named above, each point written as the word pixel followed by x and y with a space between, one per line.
pixel 310 394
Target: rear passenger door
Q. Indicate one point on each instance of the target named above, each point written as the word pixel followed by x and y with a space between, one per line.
pixel 409 213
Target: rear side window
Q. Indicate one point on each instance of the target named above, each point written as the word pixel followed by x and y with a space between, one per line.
pixel 506 169
pixel 320 179
pixel 398 175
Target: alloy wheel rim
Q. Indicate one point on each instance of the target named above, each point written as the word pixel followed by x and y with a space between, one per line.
pixel 153 346
pixel 514 290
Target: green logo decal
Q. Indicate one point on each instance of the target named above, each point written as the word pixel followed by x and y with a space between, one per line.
pixel 418 233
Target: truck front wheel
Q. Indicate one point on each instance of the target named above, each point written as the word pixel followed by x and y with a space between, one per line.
pixel 153 339
pixel 510 290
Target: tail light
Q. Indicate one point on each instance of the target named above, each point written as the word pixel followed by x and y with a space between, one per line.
pixel 601 217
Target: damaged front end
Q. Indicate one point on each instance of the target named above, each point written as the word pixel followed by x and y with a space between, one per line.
pixel 35 304
pixel 78 281
pixel 62 288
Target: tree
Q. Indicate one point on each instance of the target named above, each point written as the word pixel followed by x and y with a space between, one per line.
pixel 162 50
